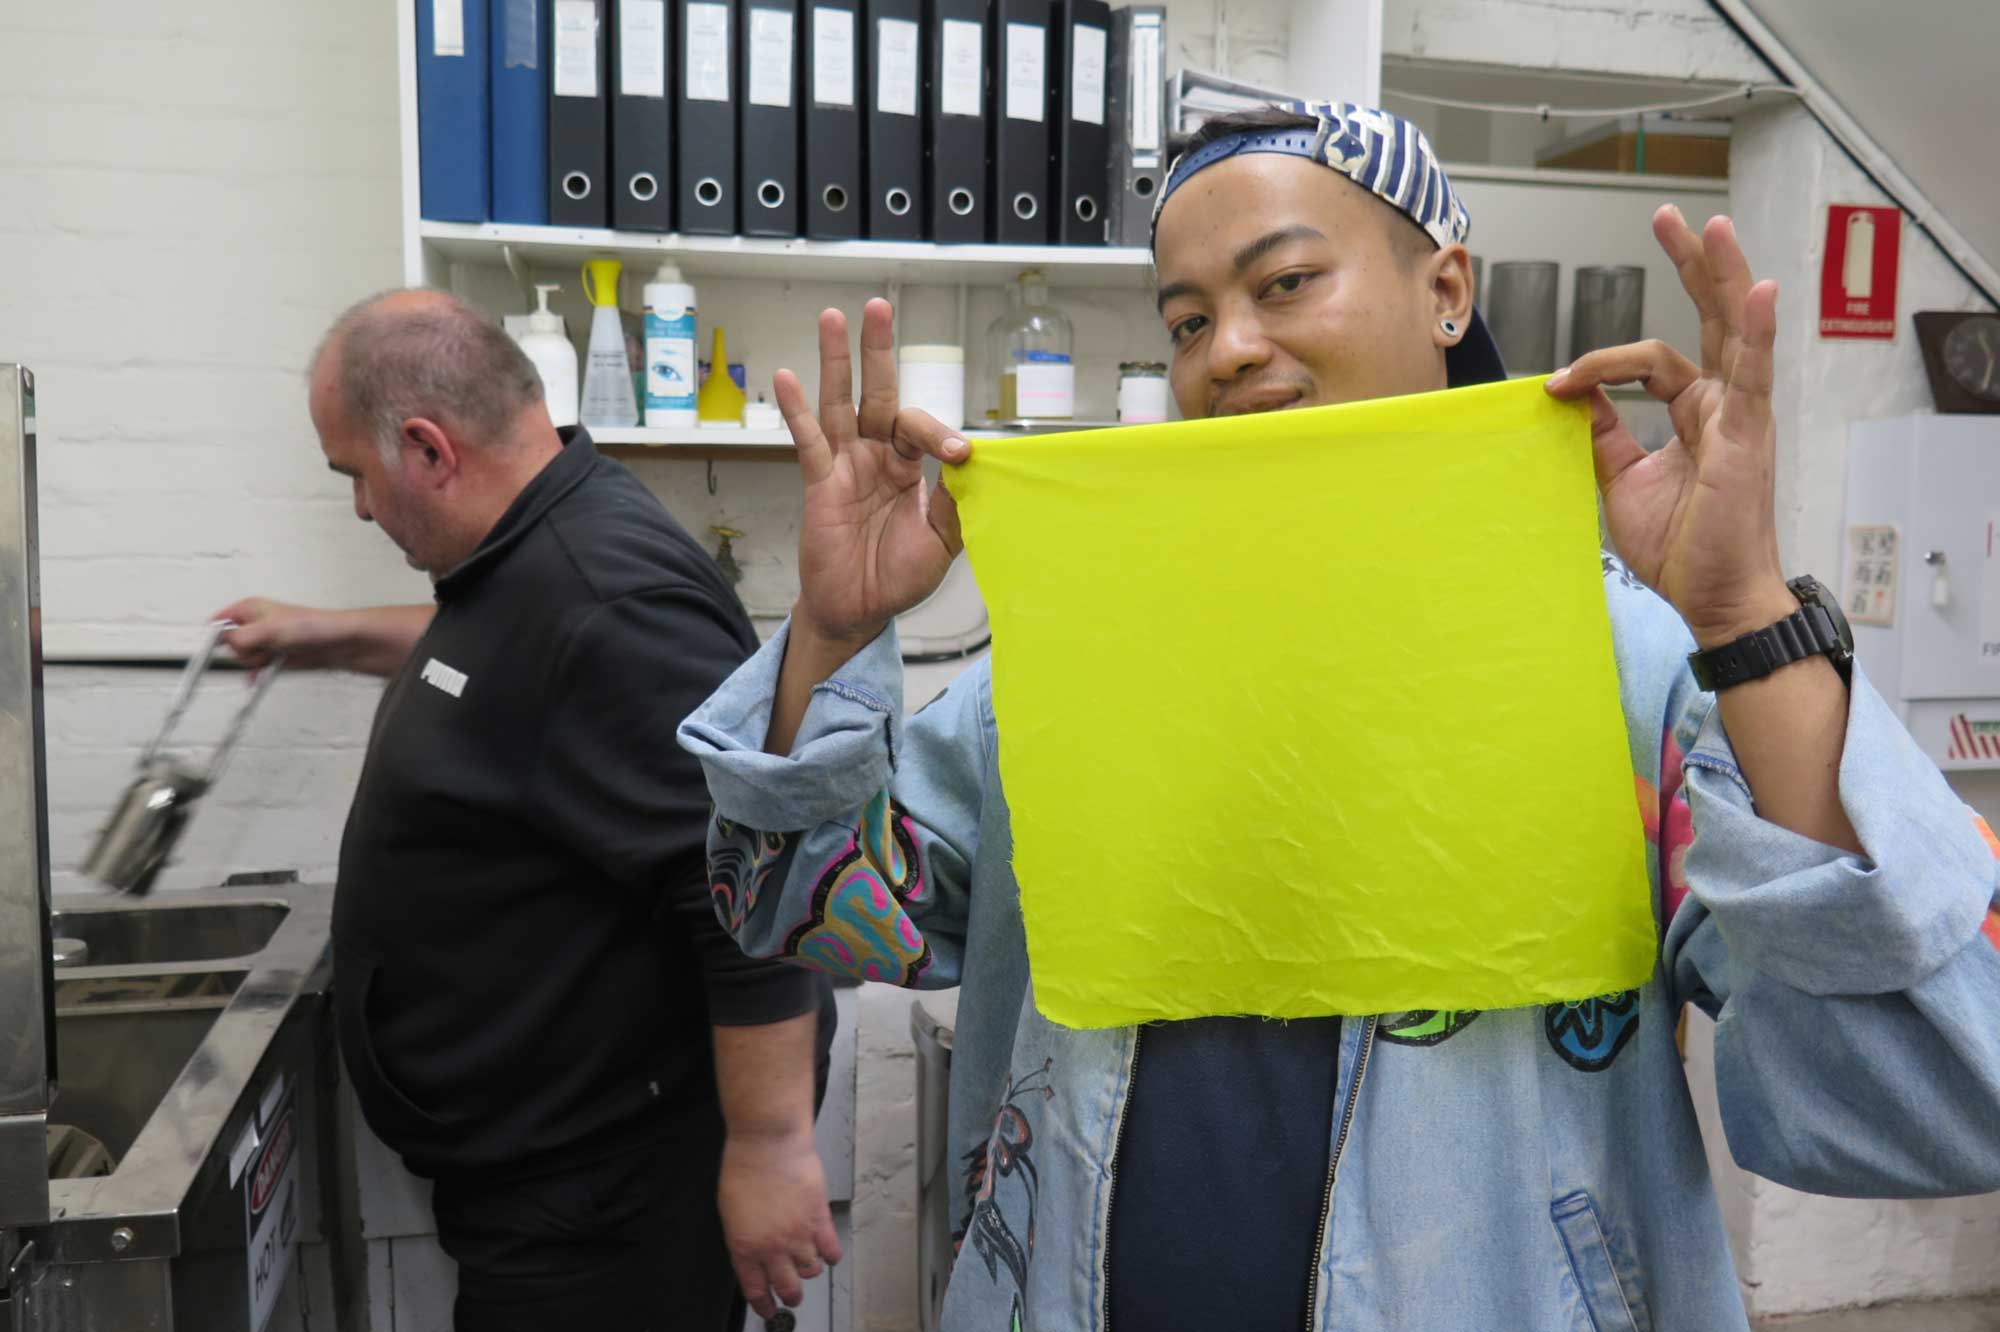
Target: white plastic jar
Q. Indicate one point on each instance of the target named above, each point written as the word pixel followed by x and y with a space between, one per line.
pixel 1143 394
pixel 931 376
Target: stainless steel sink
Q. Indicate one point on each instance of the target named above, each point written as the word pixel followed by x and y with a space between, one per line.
pixel 122 1041
pixel 124 935
pixel 193 1052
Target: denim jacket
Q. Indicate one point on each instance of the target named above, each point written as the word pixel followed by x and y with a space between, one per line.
pixel 1533 1168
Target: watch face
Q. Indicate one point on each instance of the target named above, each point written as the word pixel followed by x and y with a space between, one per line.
pixel 1971 355
pixel 1811 592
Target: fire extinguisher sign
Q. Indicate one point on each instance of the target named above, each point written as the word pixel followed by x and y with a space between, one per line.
pixel 1857 282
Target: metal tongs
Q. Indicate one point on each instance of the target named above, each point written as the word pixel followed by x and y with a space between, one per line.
pixel 155 809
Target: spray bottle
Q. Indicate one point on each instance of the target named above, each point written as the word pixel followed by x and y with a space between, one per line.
pixel 607 377
pixel 548 346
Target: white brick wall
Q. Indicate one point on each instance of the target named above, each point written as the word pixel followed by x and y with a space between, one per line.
pixel 192 191
pixel 281 801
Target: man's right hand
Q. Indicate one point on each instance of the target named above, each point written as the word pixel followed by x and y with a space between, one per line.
pixel 373 642
pixel 265 630
pixel 874 540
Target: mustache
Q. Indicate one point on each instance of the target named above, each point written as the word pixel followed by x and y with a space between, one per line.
pixel 1257 396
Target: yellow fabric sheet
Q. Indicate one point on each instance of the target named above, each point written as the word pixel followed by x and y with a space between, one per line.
pixel 1312 712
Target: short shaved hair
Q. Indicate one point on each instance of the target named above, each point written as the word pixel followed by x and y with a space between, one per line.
pixel 405 353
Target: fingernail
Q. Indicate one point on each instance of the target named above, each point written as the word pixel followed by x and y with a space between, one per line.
pixel 955 446
pixel 1558 376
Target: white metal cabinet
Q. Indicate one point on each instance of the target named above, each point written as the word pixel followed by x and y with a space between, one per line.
pixel 1933 483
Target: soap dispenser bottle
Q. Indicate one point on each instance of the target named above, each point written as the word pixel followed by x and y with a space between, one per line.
pixel 548 347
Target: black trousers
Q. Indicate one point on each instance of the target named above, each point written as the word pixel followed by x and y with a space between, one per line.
pixel 630 1244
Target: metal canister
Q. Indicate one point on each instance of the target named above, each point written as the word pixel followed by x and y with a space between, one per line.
pixel 133 847
pixel 1520 312
pixel 1610 300
pixel 1143 395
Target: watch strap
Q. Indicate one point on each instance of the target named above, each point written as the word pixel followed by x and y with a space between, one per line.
pixel 1807 632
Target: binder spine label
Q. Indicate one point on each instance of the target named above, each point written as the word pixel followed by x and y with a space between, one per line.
pixel 1086 74
pixel 447 27
pixel 833 56
pixel 896 67
pixel 576 48
pixel 1027 70
pixel 1144 131
pixel 519 47
pixel 770 57
pixel 961 78
pixel 707 53
pixel 642 48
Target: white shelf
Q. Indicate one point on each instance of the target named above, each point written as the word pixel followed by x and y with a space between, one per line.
pixel 495 243
pixel 669 444
pixel 663 437
pixel 1564 178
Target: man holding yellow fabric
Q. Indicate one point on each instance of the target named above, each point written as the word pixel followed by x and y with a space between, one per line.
pixel 1818 888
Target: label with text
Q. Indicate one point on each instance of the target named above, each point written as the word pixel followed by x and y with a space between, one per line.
pixel 271 1213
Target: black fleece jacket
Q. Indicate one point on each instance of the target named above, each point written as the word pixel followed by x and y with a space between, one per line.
pixel 526 959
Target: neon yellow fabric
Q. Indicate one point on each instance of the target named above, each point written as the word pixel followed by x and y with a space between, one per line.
pixel 1312 712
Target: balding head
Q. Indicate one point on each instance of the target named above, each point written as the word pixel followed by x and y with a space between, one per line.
pixel 424 354
pixel 434 416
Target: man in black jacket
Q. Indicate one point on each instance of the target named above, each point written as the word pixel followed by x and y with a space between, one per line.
pixel 536 1004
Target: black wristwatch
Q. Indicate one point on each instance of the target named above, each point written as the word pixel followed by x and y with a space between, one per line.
pixel 1817 628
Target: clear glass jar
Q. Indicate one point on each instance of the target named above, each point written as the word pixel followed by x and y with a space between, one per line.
pixel 1028 353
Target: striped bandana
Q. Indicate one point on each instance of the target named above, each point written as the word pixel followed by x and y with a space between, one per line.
pixel 1377 150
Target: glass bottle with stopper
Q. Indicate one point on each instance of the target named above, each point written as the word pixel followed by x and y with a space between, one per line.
pixel 1028 350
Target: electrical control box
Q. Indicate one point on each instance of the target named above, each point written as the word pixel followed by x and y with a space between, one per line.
pixel 1920 576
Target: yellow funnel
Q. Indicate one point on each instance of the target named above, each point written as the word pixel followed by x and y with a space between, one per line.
pixel 719 399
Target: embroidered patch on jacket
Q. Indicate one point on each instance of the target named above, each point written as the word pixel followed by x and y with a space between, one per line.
pixel 858 926
pixel 1424 1026
pixel 1008 1153
pixel 741 862
pixel 1615 568
pixel 1669 826
pixel 1991 927
pixel 1589 1033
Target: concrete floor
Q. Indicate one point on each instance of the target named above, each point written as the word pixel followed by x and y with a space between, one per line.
pixel 1981 1315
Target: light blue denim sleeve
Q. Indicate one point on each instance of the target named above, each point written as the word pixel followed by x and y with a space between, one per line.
pixel 1857 997
pixel 853 853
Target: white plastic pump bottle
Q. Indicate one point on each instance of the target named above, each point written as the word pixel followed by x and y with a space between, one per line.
pixel 548 346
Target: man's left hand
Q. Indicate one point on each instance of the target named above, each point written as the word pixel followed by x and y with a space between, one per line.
pixel 774 1213
pixel 1695 519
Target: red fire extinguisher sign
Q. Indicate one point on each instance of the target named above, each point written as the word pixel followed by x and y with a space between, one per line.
pixel 1857 281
